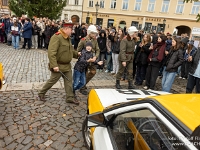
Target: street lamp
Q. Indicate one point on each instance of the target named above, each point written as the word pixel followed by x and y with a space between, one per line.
pixel 164 22
pixel 97 9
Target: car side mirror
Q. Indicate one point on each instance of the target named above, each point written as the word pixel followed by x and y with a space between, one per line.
pixel 96 120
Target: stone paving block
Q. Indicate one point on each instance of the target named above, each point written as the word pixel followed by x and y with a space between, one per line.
pixel 4 87
pixel 38 85
pixel 19 87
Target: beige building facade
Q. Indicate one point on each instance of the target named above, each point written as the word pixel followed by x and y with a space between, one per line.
pixel 4 7
pixel 72 11
pixel 160 15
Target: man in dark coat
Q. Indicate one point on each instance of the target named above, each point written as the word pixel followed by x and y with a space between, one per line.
pixel 7 28
pixel 77 34
pixel 27 33
pixel 83 30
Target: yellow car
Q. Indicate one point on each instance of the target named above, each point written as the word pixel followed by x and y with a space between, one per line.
pixel 1 75
pixel 141 120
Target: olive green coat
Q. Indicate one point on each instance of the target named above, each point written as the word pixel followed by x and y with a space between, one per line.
pixel 127 49
pixel 95 46
pixel 61 52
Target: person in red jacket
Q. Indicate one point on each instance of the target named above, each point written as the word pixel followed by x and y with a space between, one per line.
pixel 2 32
pixel 155 62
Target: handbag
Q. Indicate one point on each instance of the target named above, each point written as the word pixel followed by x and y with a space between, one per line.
pixel 9 37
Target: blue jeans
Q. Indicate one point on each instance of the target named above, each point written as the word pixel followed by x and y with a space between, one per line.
pixel 167 80
pixel 79 80
pixel 109 61
pixel 15 41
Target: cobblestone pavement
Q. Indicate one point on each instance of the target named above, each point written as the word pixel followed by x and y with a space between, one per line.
pixel 25 122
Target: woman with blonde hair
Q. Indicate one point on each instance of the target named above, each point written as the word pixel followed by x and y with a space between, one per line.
pixel 141 55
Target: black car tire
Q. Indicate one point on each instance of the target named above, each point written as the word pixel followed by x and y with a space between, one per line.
pixel 86 137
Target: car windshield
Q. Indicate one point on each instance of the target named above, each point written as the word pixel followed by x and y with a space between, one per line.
pixel 143 130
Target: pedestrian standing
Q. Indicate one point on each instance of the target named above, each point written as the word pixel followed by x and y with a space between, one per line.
pixel 155 62
pixel 115 47
pixel 185 66
pixel 126 56
pixel 109 64
pixel 102 46
pixel 15 31
pixel 60 54
pixel 83 30
pixel 91 70
pixel 27 33
pixel 7 28
pixel 173 60
pixel 35 32
pixel 141 56
pixel 41 25
pixel 47 33
pixel 194 72
pixel 77 36
pixel 1 31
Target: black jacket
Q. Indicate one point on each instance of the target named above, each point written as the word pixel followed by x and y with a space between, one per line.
pixel 77 33
pixel 115 45
pixel 82 63
pixel 195 61
pixel 174 60
pixel 141 54
pixel 83 32
pixel 35 30
pixel 102 42
pixel 154 39
pixel 53 30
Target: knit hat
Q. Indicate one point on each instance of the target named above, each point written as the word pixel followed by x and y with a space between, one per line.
pixel 88 44
pixel 191 42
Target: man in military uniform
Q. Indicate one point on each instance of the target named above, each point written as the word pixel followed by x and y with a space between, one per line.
pixel 60 54
pixel 91 71
pixel 126 56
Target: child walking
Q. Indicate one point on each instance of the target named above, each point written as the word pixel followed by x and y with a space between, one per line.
pixel 83 62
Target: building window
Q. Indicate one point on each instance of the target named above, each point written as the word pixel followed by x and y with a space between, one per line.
pixel 138 4
pixel 165 6
pixel 195 8
pixel 5 2
pixel 76 2
pixel 102 3
pixel 134 23
pixel 151 5
pixel 113 4
pixel 90 3
pixel 179 9
pixel 125 4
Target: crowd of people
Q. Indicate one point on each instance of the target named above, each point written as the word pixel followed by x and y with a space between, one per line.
pixel 125 53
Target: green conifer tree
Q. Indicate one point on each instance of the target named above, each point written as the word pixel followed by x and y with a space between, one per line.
pixel 39 8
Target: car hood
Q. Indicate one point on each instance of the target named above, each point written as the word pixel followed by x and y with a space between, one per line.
pixel 110 97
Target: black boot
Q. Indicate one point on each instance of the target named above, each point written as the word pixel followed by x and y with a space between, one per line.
pixel 130 85
pixel 118 84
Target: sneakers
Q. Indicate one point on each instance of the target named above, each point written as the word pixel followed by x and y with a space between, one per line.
pixel 180 77
pixel 183 78
pixel 106 71
pixel 4 82
pixel 146 87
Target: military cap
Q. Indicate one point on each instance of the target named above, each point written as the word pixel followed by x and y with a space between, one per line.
pixel 69 25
